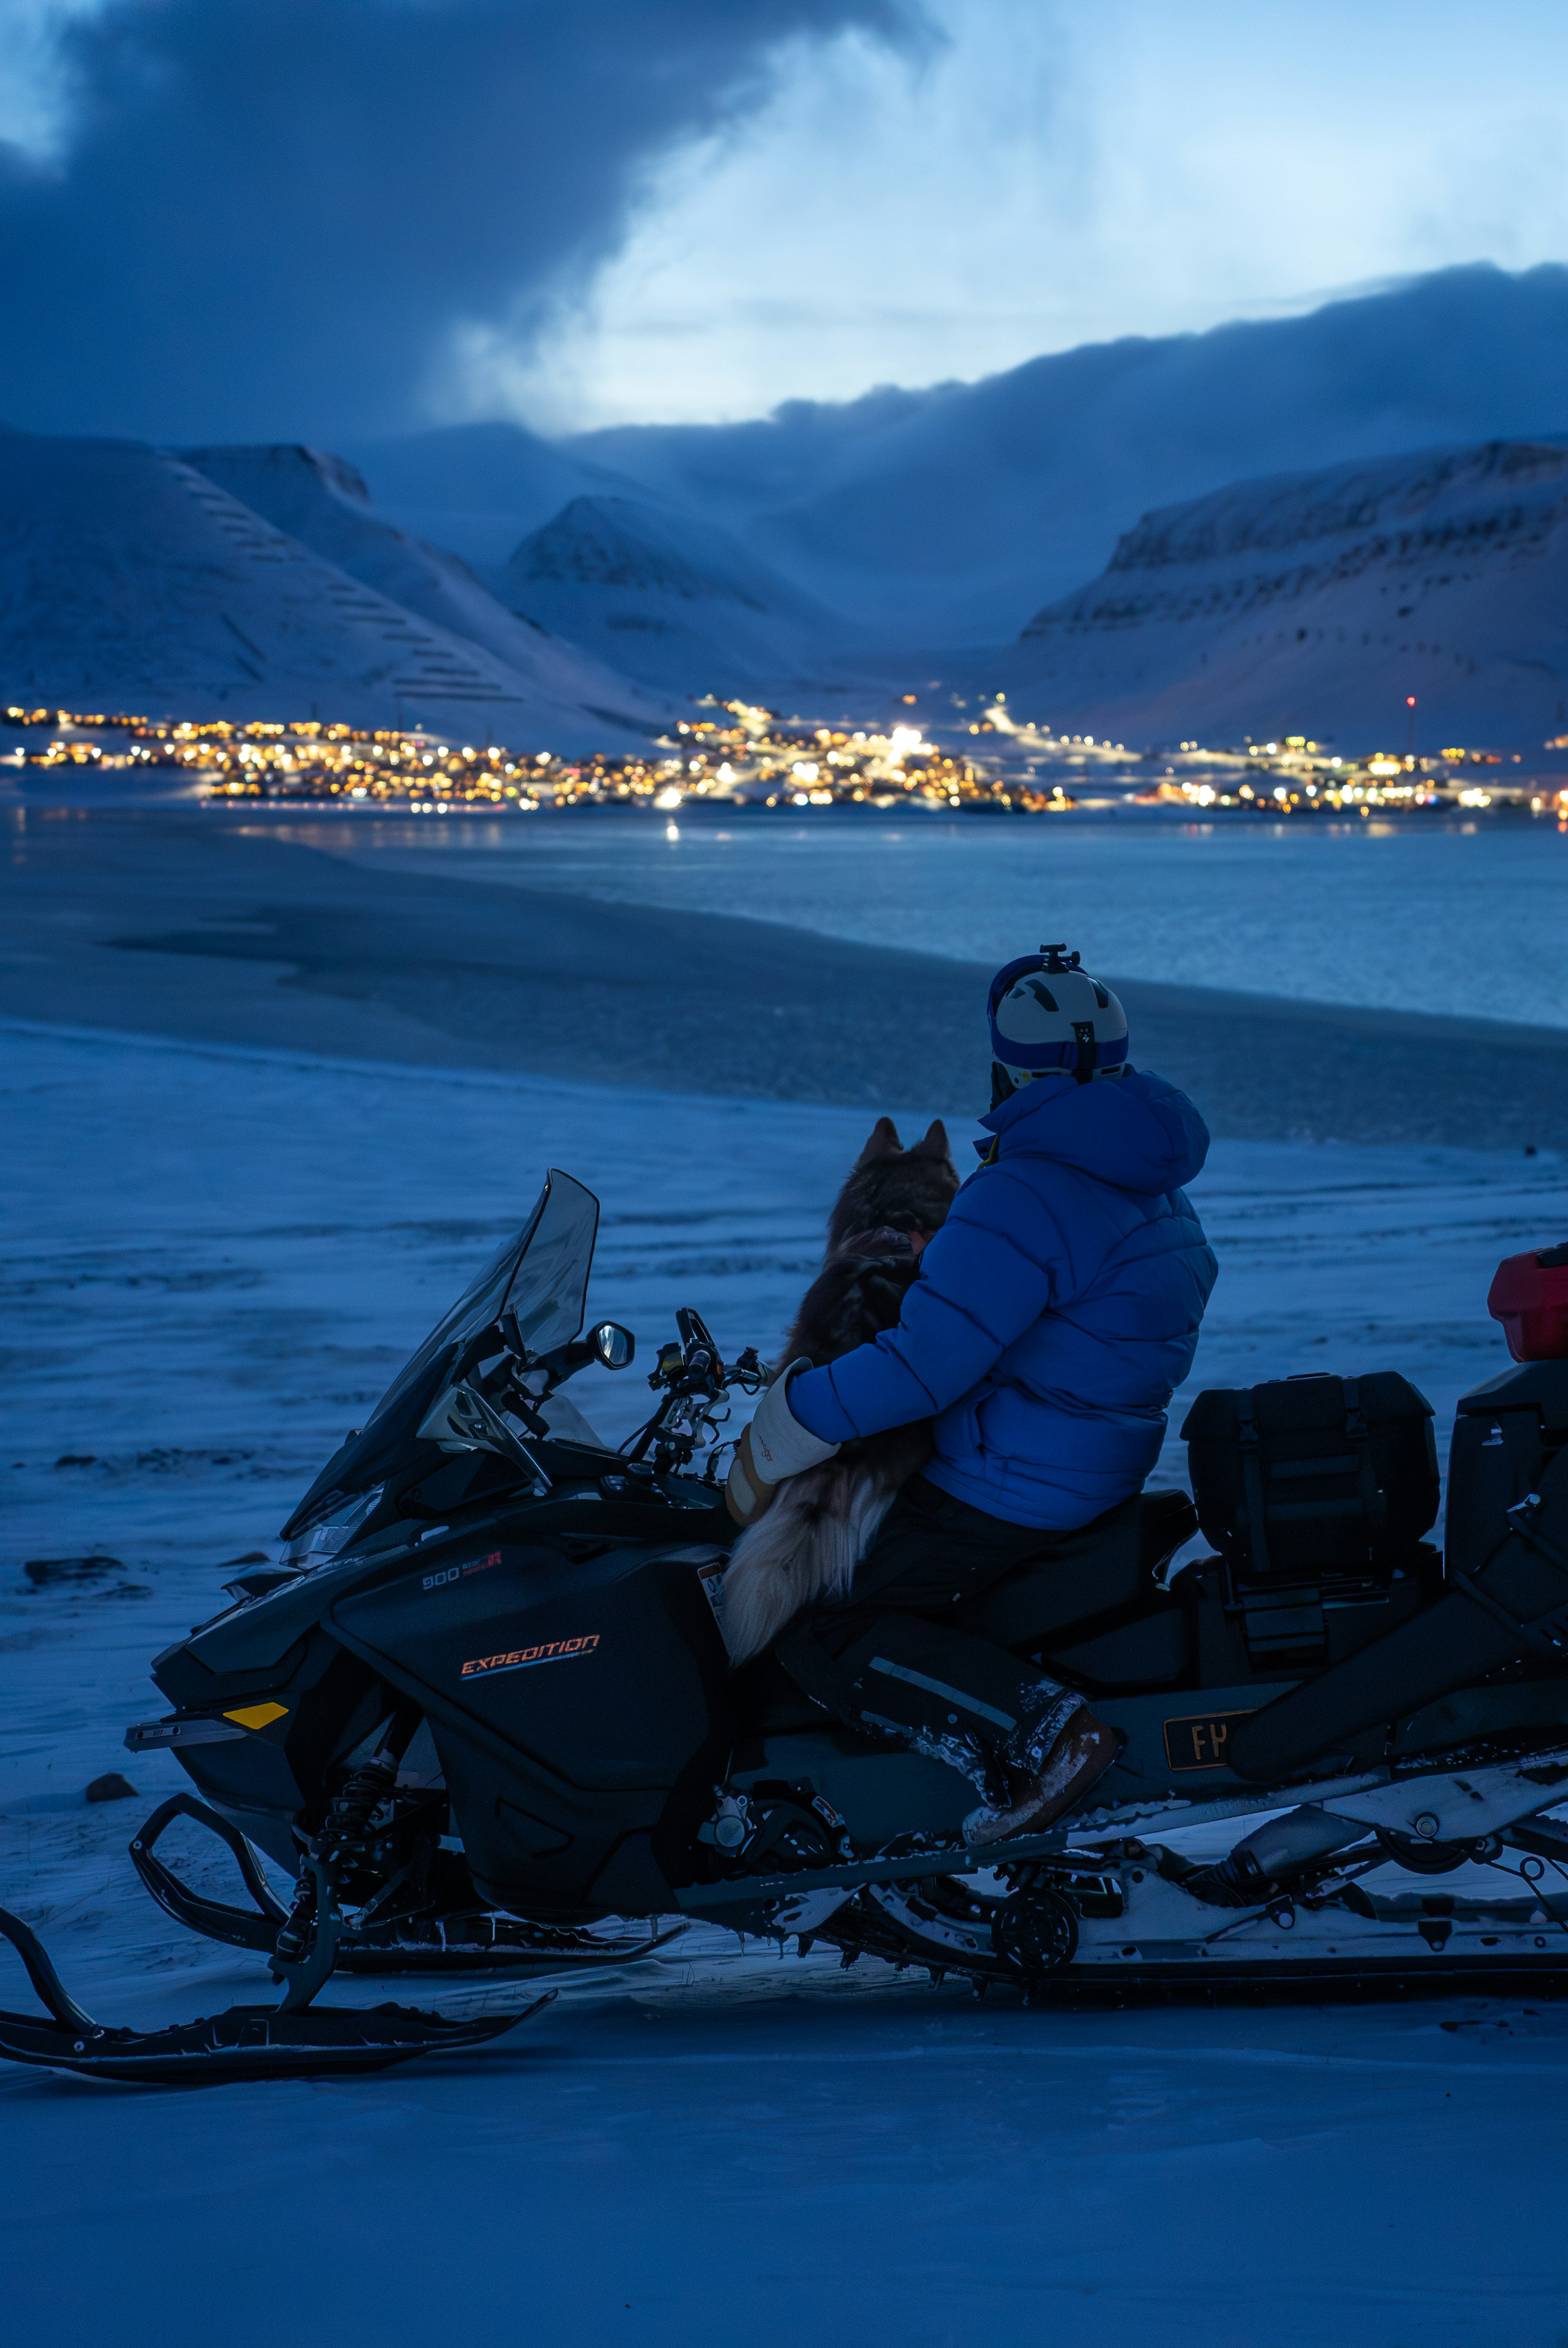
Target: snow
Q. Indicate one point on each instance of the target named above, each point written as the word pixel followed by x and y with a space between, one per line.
pixel 947 515
pixel 671 599
pixel 322 503
pixel 131 581
pixel 1315 603
pixel 943 516
pixel 835 2166
pixel 213 1259
pixel 1320 912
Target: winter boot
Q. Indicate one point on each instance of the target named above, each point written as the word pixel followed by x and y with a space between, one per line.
pixel 1045 1786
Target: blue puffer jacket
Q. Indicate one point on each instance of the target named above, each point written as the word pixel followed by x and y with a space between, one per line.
pixel 1055 1311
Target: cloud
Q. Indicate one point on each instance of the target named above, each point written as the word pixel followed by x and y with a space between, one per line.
pixel 1056 172
pixel 278 217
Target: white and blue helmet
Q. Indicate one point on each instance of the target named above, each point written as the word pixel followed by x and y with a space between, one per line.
pixel 1047 1016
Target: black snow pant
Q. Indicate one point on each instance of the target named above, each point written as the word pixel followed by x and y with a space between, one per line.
pixel 884 1660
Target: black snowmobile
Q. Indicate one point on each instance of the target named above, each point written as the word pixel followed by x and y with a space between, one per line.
pixel 482 1713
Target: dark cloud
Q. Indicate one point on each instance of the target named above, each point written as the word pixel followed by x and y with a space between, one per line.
pixel 271 213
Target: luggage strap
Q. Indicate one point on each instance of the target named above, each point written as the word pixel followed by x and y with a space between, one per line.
pixel 1374 1499
pixel 1252 1482
pixel 1547 1634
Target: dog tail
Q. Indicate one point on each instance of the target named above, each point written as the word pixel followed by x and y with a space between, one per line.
pixel 806 1549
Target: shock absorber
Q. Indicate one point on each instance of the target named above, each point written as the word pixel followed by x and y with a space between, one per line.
pixel 343 1838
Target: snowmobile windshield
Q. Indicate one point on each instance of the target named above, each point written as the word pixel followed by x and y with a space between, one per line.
pixel 531 1297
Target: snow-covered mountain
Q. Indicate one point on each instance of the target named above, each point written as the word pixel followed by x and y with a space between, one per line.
pixel 321 501
pixel 823 545
pixel 131 579
pixel 1314 602
pixel 954 512
pixel 947 515
pixel 674 601
pixel 479 488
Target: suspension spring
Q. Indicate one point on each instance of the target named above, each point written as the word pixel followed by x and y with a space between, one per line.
pixel 343 1836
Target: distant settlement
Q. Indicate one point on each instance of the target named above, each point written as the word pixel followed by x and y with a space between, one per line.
pixel 738 756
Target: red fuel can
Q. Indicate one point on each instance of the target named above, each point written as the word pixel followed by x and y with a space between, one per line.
pixel 1529 1294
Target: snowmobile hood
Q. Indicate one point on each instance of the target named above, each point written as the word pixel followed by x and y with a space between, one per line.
pixel 1136 1131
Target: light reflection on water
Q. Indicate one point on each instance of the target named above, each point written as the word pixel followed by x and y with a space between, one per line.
pixel 1456 917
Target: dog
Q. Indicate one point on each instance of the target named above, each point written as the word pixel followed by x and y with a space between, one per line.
pixel 811 1539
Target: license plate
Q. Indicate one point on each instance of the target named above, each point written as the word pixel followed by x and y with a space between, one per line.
pixel 1201 1742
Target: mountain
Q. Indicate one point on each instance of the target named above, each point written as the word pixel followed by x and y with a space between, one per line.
pixel 479 488
pixel 131 580
pixel 953 513
pixel 946 516
pixel 674 601
pixel 1314 602
pixel 706 557
pixel 322 503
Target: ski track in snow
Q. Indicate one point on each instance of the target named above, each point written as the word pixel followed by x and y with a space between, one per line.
pixel 213 1261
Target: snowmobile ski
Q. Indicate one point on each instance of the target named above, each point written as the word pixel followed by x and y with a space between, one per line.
pixel 484 1942
pixel 248 2042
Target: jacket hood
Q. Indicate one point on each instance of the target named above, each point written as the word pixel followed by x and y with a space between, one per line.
pixel 1136 1132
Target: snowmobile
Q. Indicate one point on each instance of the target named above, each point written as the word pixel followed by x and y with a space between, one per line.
pixel 481 1713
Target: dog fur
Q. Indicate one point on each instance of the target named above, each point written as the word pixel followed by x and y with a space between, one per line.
pixel 822 1523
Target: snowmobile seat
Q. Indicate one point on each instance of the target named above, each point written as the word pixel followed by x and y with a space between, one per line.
pixel 1104 1569
pixel 1100 1573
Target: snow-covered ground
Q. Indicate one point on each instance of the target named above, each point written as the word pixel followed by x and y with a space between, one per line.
pixel 213 1259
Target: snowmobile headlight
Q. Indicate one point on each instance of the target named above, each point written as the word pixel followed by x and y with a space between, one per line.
pixel 324 1540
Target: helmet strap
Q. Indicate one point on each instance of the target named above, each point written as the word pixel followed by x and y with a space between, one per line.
pixel 1088 1052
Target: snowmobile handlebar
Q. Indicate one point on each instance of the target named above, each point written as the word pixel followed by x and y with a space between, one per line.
pixel 694 1377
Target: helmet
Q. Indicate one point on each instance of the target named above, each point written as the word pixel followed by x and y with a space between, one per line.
pixel 1047 1015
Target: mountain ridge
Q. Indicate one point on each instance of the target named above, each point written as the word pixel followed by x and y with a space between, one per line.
pixel 952 513
pixel 673 601
pixel 132 580
pixel 322 501
pixel 1316 603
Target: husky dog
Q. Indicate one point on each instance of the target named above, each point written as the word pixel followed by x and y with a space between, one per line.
pixel 810 1541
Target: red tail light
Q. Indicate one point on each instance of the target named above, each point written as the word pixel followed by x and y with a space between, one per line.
pixel 1529 1294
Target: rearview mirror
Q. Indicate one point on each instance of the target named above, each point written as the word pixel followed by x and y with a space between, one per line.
pixel 613 1346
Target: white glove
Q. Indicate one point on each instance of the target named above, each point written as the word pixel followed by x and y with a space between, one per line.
pixel 774 1445
pixel 781 1446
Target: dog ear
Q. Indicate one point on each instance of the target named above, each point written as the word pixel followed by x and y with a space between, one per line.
pixel 884 1143
pixel 935 1144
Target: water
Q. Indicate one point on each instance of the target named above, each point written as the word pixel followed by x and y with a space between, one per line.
pixel 1470 919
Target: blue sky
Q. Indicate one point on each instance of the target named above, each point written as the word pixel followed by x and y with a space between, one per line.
pixel 1046 175
pixel 233 218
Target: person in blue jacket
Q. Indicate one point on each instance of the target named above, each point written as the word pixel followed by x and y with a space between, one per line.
pixel 1054 1315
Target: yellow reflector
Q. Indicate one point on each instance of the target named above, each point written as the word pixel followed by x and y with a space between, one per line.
pixel 257 1715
